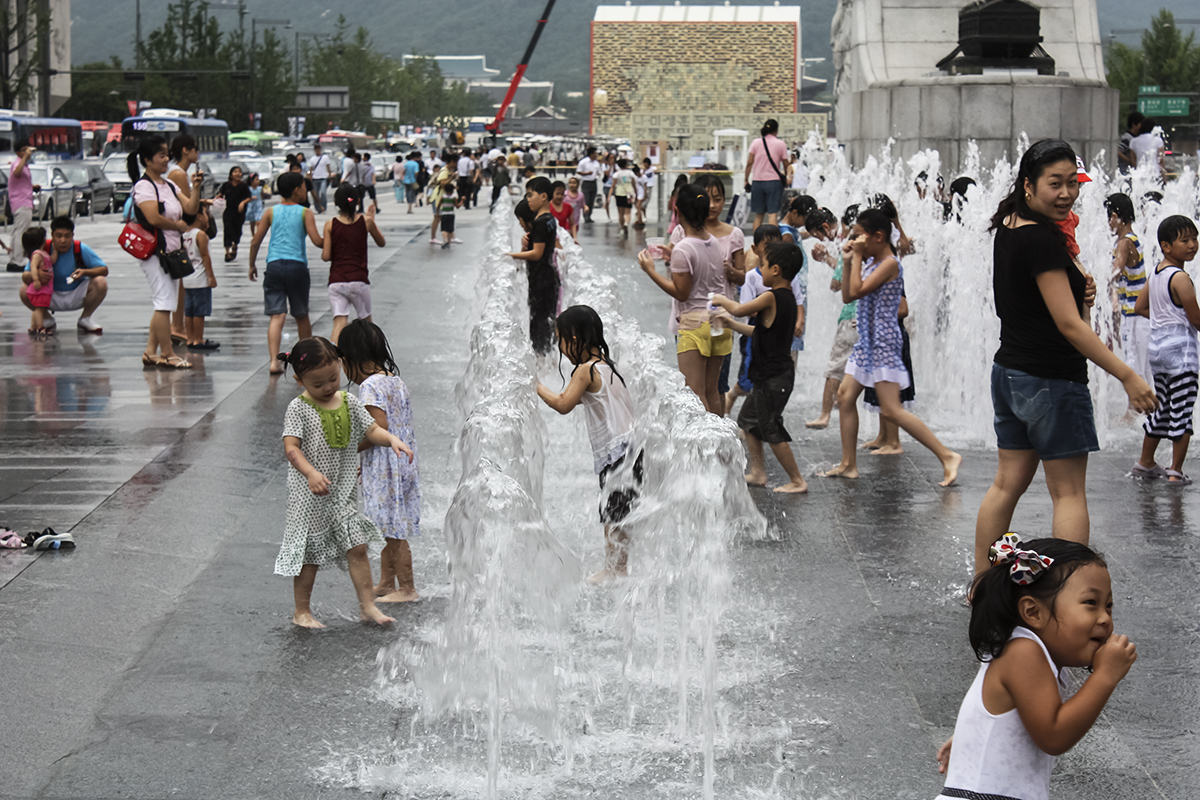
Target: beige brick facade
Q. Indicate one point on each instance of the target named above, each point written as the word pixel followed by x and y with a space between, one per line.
pixel 710 67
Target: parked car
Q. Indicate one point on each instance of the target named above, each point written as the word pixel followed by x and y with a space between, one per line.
pixel 116 171
pixel 57 194
pixel 93 191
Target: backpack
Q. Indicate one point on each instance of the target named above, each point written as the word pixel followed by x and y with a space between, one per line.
pixel 422 176
pixel 49 248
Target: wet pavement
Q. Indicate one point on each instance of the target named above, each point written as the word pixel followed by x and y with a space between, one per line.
pixel 158 660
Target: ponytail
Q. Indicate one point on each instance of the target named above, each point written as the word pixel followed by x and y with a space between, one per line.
pixel 692 205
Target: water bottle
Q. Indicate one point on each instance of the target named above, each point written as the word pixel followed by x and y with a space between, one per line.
pixel 715 326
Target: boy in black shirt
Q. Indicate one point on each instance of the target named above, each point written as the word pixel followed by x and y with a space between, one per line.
pixel 771 369
pixel 543 278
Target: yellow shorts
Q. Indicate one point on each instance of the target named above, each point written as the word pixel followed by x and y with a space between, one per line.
pixel 702 339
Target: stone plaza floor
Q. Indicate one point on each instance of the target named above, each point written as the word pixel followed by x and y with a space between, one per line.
pixel 158 659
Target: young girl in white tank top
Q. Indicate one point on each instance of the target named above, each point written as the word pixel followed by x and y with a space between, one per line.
pixel 1042 606
pixel 599 388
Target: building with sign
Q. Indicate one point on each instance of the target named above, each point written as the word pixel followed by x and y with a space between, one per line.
pixel 660 72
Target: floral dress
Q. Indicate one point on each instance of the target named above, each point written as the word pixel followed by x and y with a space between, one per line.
pixel 391 493
pixel 877 355
pixel 321 529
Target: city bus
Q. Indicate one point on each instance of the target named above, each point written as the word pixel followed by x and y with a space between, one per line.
pixel 262 142
pixel 95 136
pixel 211 135
pixel 340 141
pixel 54 138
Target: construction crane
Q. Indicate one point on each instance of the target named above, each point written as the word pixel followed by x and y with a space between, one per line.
pixel 493 127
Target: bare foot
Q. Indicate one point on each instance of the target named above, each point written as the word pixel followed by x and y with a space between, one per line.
pixel 950 468
pixel 888 450
pixel 819 423
pixel 399 596
pixel 384 589
pixel 874 444
pixel 606 575
pixel 305 620
pixel 756 478
pixel 840 471
pixel 275 368
pixel 793 487
pixel 373 614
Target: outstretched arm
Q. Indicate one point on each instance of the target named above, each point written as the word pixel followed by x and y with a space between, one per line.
pixel 382 437
pixel 571 395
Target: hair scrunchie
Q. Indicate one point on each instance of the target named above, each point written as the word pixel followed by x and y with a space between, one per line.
pixel 1025 566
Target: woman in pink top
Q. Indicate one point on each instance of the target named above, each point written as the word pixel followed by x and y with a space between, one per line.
pixel 766 166
pixel 697 271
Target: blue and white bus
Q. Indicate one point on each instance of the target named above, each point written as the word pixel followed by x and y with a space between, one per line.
pixel 55 138
pixel 211 135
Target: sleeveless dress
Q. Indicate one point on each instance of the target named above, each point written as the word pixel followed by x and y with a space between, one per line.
pixel 254 209
pixel 878 353
pixel 993 755
pixel 391 494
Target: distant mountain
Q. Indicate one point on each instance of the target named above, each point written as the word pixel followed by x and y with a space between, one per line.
pixel 500 29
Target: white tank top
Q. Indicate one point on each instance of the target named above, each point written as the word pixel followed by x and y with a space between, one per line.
pixel 1172 349
pixel 609 414
pixel 993 754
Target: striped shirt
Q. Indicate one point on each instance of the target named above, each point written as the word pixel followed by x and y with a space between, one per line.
pixel 1132 279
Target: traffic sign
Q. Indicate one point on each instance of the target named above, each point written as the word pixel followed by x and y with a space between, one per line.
pixel 1149 89
pixel 1165 106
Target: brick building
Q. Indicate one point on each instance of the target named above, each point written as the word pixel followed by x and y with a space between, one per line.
pixel 692 68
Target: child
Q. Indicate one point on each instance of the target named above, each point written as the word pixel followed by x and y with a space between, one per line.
pixel 254 209
pixel 197 287
pixel 345 249
pixel 1170 303
pixel 680 182
pixel 1042 606
pixel 448 204
pixel 771 369
pixel 559 209
pixel 608 410
pixel 764 235
pixel 543 279
pixel 578 203
pixel 794 225
pixel 823 226
pixel 875 277
pixel 622 189
pixel 321 432
pixel 639 196
pixel 41 288
pixel 1128 284
pixel 887 442
pixel 391 495
pixel 501 180
pixel 286 280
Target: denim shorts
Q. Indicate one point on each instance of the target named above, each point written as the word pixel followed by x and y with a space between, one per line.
pixel 197 302
pixel 1050 416
pixel 286 283
pixel 766 197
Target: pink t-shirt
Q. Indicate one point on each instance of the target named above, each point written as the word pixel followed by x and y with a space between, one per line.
pixel 143 191
pixel 761 170
pixel 20 187
pixel 705 260
pixel 732 242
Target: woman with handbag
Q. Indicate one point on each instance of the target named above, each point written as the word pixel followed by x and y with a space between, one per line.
pixel 159 208
pixel 766 166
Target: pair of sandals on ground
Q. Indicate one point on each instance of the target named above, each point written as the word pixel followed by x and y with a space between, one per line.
pixel 1173 478
pixel 48 539
pixel 207 344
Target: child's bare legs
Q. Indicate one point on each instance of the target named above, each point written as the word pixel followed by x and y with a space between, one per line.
pixel 757 473
pixel 703 376
pixel 616 555
pixel 1149 448
pixel 177 321
pixel 889 433
pixel 274 337
pixel 892 410
pixel 37 319
pixel 338 324
pixel 195 329
pixel 360 575
pixel 396 563
pixel 253 228
pixel 302 586
pixel 847 397
pixel 827 399
pixel 1178 453
pixel 787 460
pixel 731 397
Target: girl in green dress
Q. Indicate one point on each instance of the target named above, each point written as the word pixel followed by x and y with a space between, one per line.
pixel 321 433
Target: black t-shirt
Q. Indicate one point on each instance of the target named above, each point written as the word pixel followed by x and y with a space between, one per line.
pixel 1029 339
pixel 234 194
pixel 771 348
pixel 545 230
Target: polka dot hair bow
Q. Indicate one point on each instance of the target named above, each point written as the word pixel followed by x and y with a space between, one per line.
pixel 1025 566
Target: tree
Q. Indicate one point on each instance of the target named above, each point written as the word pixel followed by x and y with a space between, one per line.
pixel 99 96
pixel 25 30
pixel 1166 58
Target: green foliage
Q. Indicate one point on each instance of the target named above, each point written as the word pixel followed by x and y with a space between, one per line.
pixel 1166 58
pixel 99 96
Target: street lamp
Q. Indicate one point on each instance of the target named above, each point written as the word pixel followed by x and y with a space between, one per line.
pixel 316 37
pixel 254 23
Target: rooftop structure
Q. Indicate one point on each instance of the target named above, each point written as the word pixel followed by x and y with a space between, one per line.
pixel 458 68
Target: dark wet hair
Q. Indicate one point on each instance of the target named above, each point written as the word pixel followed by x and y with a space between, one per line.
pixel 1152 197
pixel 288 183
pixel 803 205
pixel 1175 227
pixel 709 181
pixel 1136 118
pixel 1149 124
pixel 1040 155
pixel 873 221
pixel 147 149
pixel 850 215
pixel 347 201
pixel 692 205
pixel 539 185
pixel 960 185
pixel 310 354
pixel 767 231
pixel 994 595
pixel 884 203
pixel 818 218
pixel 770 127
pixel 180 143
pixel 580 330
pixel 1121 205
pixel 33 239
pixel 364 346
pixel 787 256
pixel 523 212
pixel 62 223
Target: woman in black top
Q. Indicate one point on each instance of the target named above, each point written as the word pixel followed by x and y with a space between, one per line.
pixel 1043 410
pixel 236 195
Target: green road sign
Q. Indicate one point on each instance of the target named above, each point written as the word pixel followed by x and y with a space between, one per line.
pixel 1149 89
pixel 1165 106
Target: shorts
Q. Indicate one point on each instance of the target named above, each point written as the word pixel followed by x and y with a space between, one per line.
pixel 843 345
pixel 197 302
pixel 1051 416
pixel 72 299
pixel 164 290
pixel 766 197
pixel 410 192
pixel 701 339
pixel 616 504
pixel 345 294
pixel 1176 401
pixel 622 201
pixel 447 223
pixel 40 297
pixel 762 413
pixel 286 284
